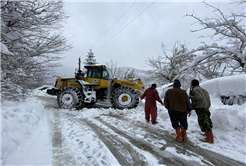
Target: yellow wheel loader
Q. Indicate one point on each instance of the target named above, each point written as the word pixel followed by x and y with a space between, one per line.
pixel 96 85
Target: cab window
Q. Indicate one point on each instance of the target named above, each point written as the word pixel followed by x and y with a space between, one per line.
pixel 94 73
pixel 106 74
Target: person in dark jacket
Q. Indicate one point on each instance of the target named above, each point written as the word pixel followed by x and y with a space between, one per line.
pixel 178 104
pixel 201 103
pixel 151 95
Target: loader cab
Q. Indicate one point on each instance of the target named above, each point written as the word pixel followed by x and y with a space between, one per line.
pixel 99 75
pixel 98 72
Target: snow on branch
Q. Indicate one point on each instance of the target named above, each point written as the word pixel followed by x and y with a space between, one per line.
pixel 228 29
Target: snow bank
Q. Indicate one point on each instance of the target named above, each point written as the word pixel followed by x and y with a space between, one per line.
pixel 24 123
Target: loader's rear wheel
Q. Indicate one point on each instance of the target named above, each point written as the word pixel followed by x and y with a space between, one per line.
pixel 70 97
pixel 124 97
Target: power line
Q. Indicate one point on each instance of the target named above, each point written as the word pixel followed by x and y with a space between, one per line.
pixel 126 25
pixel 115 22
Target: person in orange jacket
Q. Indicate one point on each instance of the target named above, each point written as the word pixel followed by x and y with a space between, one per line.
pixel 151 95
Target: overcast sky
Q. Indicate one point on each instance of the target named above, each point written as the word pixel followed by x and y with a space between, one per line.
pixel 135 31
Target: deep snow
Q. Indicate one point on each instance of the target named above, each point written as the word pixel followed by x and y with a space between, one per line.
pixel 27 130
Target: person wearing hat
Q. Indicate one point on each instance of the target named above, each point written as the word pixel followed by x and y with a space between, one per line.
pixel 201 103
pixel 151 95
pixel 178 104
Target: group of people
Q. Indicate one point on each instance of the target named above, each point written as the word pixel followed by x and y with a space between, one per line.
pixel 179 107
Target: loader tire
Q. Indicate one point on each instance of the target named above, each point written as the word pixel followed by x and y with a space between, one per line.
pixel 124 97
pixel 70 97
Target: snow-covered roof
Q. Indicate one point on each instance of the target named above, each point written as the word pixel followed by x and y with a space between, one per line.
pixel 230 85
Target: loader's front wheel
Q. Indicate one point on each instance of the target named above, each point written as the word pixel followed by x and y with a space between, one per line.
pixel 124 97
pixel 70 97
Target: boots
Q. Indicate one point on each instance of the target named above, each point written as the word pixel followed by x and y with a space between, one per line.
pixel 209 138
pixel 183 133
pixel 178 135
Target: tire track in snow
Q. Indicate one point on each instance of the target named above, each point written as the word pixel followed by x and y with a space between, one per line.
pixel 82 142
pixel 122 150
pixel 164 158
pixel 188 148
pixel 107 139
pixel 60 156
pixel 209 157
pixel 57 149
pixel 121 159
pixel 57 152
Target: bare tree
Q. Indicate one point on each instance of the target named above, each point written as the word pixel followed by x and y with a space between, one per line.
pixel 129 74
pixel 115 70
pixel 31 32
pixel 230 29
pixel 171 64
pixel 206 61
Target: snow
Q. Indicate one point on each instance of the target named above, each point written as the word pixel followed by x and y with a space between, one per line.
pixel 214 45
pixel 4 29
pixel 162 90
pixel 227 86
pixel 13 36
pixel 5 50
pixel 189 158
pixel 28 130
pixel 2 23
pixel 24 126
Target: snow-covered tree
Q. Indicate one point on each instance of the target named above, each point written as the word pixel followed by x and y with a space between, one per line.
pixel 238 2
pixel 169 66
pixel 90 59
pixel 230 56
pixel 30 30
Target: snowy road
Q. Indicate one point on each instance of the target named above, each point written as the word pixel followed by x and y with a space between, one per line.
pixel 104 136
